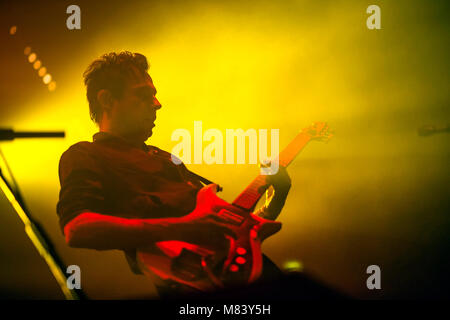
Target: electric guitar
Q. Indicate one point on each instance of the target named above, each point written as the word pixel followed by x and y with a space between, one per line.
pixel 208 267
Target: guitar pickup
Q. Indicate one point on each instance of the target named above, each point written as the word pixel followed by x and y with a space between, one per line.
pixel 230 217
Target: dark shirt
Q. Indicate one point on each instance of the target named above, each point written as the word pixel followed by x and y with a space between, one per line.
pixel 109 176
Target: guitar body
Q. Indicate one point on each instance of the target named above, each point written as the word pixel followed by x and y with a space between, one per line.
pixel 207 267
pixel 233 256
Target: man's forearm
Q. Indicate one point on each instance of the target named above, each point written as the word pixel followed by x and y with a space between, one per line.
pixel 103 232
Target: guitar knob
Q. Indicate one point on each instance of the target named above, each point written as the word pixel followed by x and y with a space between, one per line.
pixel 234 268
pixel 241 251
pixel 240 260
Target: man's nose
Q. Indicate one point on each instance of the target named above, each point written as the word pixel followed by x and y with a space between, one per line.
pixel 156 104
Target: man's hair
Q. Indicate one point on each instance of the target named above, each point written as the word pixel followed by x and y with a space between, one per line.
pixel 110 72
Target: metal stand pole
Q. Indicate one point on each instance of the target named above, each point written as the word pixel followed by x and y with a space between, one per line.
pixel 39 240
pixel 32 228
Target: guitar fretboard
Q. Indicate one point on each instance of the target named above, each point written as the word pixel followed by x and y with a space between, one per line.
pixel 254 191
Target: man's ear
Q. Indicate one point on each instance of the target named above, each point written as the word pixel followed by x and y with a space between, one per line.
pixel 105 99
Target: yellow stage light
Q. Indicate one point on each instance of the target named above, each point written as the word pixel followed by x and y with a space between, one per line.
pixel 32 57
pixel 27 50
pixel 37 64
pixel 47 78
pixel 13 30
pixel 52 86
pixel 293 265
pixel 42 71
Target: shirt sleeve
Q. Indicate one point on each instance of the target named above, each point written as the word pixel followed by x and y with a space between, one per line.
pixel 82 188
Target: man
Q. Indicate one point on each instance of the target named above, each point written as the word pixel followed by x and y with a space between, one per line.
pixel 119 193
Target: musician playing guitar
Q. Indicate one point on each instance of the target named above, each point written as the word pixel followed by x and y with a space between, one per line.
pixel 119 193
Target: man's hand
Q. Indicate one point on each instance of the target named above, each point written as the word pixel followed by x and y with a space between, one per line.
pixel 203 226
pixel 204 230
pixel 281 183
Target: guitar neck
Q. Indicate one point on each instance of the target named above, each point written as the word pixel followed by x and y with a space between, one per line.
pixel 250 196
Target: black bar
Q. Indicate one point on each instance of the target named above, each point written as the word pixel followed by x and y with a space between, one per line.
pixel 9 134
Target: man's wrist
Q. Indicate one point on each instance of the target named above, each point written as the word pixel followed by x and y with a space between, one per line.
pixel 164 228
pixel 280 194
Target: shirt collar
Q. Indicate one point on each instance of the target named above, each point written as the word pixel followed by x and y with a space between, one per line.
pixel 105 136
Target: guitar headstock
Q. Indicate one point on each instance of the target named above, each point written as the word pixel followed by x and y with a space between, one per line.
pixel 318 131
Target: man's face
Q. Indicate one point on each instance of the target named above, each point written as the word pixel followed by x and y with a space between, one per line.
pixel 133 115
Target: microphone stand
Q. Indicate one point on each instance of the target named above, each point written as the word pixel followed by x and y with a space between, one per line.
pixel 33 230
